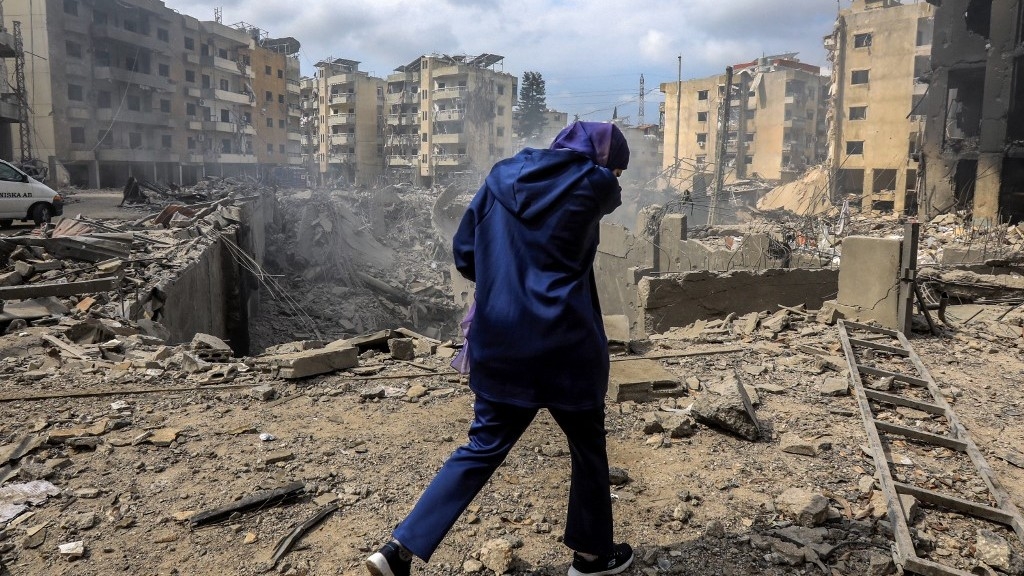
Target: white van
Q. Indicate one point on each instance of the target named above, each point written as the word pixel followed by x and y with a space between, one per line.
pixel 22 197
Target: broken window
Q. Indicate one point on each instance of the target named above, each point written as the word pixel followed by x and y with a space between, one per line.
pixel 129 25
pixel 191 143
pixel 858 112
pixel 163 35
pixel 501 110
pixel 190 109
pixel 71 7
pixel 223 53
pixel 280 98
pixel 964 97
pixel 78 135
pixel 702 138
pixel 702 95
pixel 862 40
pixel 99 17
pixel 501 131
pixel 270 148
pixel 268 96
pixel 270 122
pixel 1015 119
pixel 979 17
pixel 859 77
pixel 73 49
pixel 501 89
pixel 854 147
pixel 190 43
pixel 922 65
pixel 75 93
pixel 164 70
pixel 166 141
pixel 702 116
pixel 165 106
pixel 103 99
pixel 206 81
pixel 883 180
pixel 925 29
pixel 135 139
pixel 225 146
pixel 190 76
pixel 282 124
pixel 268 70
pixel 103 139
pixel 280 73
pixel 225 115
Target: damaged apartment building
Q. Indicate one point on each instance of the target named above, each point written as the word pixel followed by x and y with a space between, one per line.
pixel 776 125
pixel 447 116
pixel 974 144
pixel 432 120
pixel 877 50
pixel 131 87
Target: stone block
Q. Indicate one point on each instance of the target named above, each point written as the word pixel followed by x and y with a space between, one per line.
pixel 312 362
pixel 835 387
pixel 208 342
pixel 869 280
pixel 803 506
pixel 641 380
pixel 728 407
pixel 11 279
pixel 402 348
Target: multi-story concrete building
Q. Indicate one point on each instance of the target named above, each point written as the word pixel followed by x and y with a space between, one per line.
pixel 9 103
pixel 343 109
pixel 877 49
pixel 447 115
pixel 775 123
pixel 119 87
pixel 974 156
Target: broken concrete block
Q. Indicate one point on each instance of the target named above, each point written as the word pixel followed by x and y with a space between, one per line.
pixel 312 362
pixel 728 407
pixel 25 269
pixel 207 342
pixel 993 549
pixel 220 375
pixel 163 437
pixel 828 314
pixel 402 348
pixel 191 363
pixel 497 555
pixel 806 508
pixel 679 426
pixel 11 279
pixel 72 549
pixel 641 380
pixel 794 444
pixel 85 303
pixel 297 346
pixel 835 387
pixel 108 267
pixel 279 456
pixel 264 393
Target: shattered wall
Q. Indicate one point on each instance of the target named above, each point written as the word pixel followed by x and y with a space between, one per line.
pixel 968 153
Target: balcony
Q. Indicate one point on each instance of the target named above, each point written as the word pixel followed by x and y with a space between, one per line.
pixel 293 87
pixel 295 160
pixel 342 98
pixel 342 158
pixel 226 96
pixel 449 93
pixel 190 57
pixel 225 127
pixel 134 155
pixel 407 119
pixel 135 117
pixel 77 113
pixel 446 71
pixel 193 92
pixel 127 76
pixel 449 115
pixel 111 32
pixel 405 97
pixel 343 139
pixel 236 159
pixel 408 161
pixel 341 119
pixel 9 111
pixel 82 155
pixel 225 65
pixel 295 136
pixel 450 159
pixel 459 138
pixel 309 105
pixel 294 110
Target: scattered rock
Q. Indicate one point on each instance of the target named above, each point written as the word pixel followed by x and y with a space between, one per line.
pixel 794 444
pixel 728 407
pixel 835 387
pixel 618 476
pixel 496 555
pixel 72 549
pixel 993 549
pixel 803 506
pixel 402 348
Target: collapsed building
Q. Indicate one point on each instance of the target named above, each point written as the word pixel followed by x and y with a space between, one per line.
pixel 974 141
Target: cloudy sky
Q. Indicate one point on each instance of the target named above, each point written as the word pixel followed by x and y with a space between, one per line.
pixel 591 53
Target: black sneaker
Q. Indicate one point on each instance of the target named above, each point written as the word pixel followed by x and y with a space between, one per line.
pixel 614 563
pixel 391 560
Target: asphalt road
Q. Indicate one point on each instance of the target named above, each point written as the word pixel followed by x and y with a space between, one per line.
pixel 96 204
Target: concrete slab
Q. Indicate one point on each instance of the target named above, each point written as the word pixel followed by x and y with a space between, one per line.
pixel 312 362
pixel 642 380
pixel 869 280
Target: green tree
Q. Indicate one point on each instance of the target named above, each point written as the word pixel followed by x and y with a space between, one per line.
pixel 532 105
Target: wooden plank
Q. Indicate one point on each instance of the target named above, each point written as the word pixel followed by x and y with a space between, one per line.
pixel 925 567
pixel 686 354
pixel 928 437
pixel 258 500
pixel 905 402
pixel 881 347
pixel 71 349
pixel 28 291
pixel 919 382
pixel 955 503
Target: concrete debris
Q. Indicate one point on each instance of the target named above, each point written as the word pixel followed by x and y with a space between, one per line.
pixel 496 555
pixel 993 549
pixel 727 406
pixel 642 380
pixel 72 550
pixel 311 362
pixel 805 507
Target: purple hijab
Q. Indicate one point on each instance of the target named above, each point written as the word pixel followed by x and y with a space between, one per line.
pixel 601 142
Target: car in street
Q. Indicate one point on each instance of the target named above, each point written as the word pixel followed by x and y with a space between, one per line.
pixel 24 198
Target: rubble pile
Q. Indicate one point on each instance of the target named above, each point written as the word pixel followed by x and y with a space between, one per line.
pixel 739 446
pixel 353 262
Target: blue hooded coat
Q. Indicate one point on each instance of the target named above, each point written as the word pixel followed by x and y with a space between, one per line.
pixel 528 240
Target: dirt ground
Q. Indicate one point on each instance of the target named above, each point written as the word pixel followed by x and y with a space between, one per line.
pixel 700 505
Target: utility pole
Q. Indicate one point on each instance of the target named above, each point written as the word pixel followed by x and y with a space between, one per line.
pixel 24 130
pixel 640 116
pixel 679 105
pixel 723 130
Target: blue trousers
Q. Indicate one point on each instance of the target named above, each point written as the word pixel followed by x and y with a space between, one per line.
pixel 495 429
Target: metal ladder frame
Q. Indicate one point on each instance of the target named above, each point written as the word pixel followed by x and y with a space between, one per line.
pixel 1005 513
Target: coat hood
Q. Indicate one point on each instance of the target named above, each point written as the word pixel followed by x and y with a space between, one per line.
pixel 532 181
